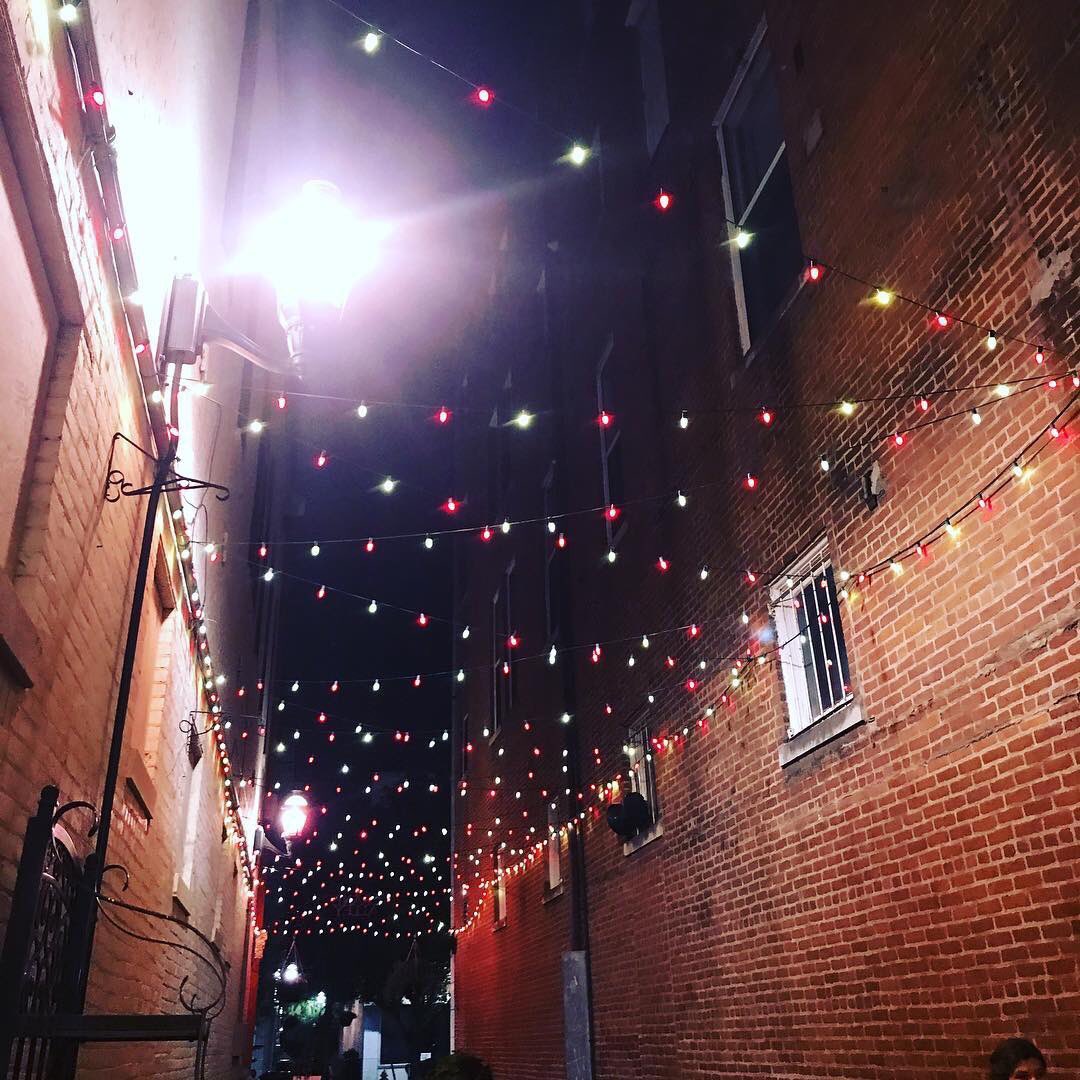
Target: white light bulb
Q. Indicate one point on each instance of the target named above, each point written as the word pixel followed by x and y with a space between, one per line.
pixel 465 634
pixel 372 607
pixel 976 417
pixel 523 419
pixel 255 427
pixel 991 341
pixel 612 555
pixel 361 410
pixel 684 420
pixel 428 543
pixel 295 687
pixel 680 499
pixel 703 573
pixel 644 641
pixel 315 549
pixel 376 686
pixel 745 619
pixel 824 464
pixel 388 485
pixel 461 675
pixel 565 718
pixel 578 154
pixel 552 655
pixel 269 575
pixel 743 238
pixel 551 526
pixel 371 42
pixel 505 526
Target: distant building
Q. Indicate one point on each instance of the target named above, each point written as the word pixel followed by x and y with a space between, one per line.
pixel 132 148
pixel 814 626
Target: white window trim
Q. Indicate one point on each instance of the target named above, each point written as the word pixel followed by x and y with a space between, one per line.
pixel 741 73
pixel 656 829
pixel 803 733
pixel 499 891
pixel 608 442
pixel 553 862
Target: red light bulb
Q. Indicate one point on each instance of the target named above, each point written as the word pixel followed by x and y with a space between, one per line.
pixel 612 512
pixel 321 460
pixel 691 685
pixel 95 96
pixel 898 439
pixel 416 681
pixel 1040 356
pixel 924 406
pixel 118 232
pixel 813 273
pixel 443 415
pixel 321 592
pixel 281 402
pixel 451 505
pixel 422 619
pixel 941 320
pixel 561 542
pixel 369 547
pixel 513 641
pixel 766 417
pixel 486 534
pixel 662 564
pixel 484 96
pixel 751 482
pixel 663 200
pixel 751 577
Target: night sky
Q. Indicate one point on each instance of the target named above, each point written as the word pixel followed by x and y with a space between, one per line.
pixel 404 143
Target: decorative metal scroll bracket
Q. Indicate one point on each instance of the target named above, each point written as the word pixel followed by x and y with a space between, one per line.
pixel 117 484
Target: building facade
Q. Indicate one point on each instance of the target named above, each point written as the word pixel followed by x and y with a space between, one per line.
pixel 132 149
pixel 768 745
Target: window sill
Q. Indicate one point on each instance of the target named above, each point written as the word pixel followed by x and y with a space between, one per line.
pixel 829 727
pixel 20 646
pixel 653 832
pixel 552 894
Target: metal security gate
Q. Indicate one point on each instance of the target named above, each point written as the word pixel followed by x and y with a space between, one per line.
pixel 43 958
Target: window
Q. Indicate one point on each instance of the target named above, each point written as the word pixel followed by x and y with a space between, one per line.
pixel 554 849
pixel 502 653
pixel 553 564
pixel 810 637
pixel 31 330
pixel 642 768
pixel 191 830
pixel 757 192
pixel 645 17
pixel 611 462
pixel 500 892
pixel 153 665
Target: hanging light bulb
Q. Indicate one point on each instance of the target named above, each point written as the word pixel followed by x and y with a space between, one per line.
pixel 552 655
pixel 847 408
pixel 369 547
pixel 484 96
pixel 315 549
pixel 505 526
pixel 295 686
pixel 923 404
pixel 376 686
pixel 461 675
pixel 663 200
pixel 680 500
pixel 1002 390
pixel 684 420
pixel 578 155
pixel 813 272
pixel 883 297
pixel 269 575
pixel 465 634
pixel 991 341
pixel 451 505
pixel 372 607
pixel 1040 355
pixel 256 426
pixel 824 463
pixel 766 417
pixel 743 238
pixel 361 410
pixel 321 459
pixel 429 543
pixel 371 42
pixel 976 416
pixel 611 555
pixel 523 419
pixel 388 485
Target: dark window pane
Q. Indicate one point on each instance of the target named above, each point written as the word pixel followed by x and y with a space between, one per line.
pixel 752 132
pixel 771 262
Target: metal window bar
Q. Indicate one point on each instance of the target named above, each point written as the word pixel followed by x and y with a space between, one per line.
pixel 839 649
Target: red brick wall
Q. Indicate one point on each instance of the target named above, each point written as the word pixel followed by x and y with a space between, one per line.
pixel 899 900
pixel 72 578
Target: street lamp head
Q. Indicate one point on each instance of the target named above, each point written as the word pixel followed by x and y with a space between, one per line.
pixel 294 811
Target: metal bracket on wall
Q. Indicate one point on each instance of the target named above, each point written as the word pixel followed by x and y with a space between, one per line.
pixel 117 484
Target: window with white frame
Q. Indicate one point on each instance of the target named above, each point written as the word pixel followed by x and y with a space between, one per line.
pixel 611 462
pixel 766 250
pixel 810 639
pixel 644 16
pixel 499 891
pixel 502 653
pixel 552 563
pixel 554 849
pixel 641 767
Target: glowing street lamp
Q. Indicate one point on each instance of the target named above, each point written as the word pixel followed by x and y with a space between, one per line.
pixel 293 818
